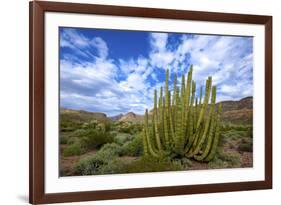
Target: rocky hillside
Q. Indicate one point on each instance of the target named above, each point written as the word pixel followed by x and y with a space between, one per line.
pixel 244 103
pixel 116 117
pixel 233 111
pixel 82 116
pixel 131 117
pixel 238 111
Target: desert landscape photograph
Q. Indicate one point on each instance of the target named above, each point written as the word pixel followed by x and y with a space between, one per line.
pixel 142 101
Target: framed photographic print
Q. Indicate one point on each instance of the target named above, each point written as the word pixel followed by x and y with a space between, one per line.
pixel 139 102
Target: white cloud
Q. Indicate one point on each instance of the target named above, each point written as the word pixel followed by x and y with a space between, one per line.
pixel 96 85
pixel 221 57
pixel 139 65
pixel 133 83
pixel 73 39
pixel 229 89
pixel 161 59
pixel 159 41
pixel 90 90
pixel 101 46
pixel 83 45
pixel 160 56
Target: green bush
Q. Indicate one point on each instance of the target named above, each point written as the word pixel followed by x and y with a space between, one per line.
pixel 93 139
pixel 109 151
pixel 74 149
pixel 250 132
pixel 232 159
pixel 96 166
pixel 63 139
pixel 217 163
pixel 79 133
pixel 68 125
pixel 133 147
pixel 246 145
pixel 241 127
pixel 89 166
pixel 100 162
pixel 72 140
pixel 128 127
pixel 152 164
pixel 245 148
pixel 186 163
pixel 106 161
pixel 95 124
pixel 121 138
pixel 235 134
pixel 91 124
pixel 125 127
pixel 114 166
pixel 225 160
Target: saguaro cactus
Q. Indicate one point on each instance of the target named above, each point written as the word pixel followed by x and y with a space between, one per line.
pixel 182 123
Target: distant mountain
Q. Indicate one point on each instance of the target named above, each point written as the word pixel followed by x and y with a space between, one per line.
pixel 131 117
pixel 244 103
pixel 116 117
pixel 82 116
pixel 238 111
pixel 233 111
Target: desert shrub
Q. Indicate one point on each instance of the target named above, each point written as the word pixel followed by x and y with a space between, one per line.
pixel 237 127
pixel 225 160
pixel 95 124
pixel 250 132
pixel 231 145
pixel 91 124
pixel 186 163
pixel 217 163
pixel 107 162
pixel 100 163
pixel 89 166
pixel 246 145
pixel 241 127
pixel 109 151
pixel 121 138
pixel 68 125
pixel 232 159
pixel 95 139
pixel 72 140
pixel 113 133
pixel 245 148
pixel 136 127
pixel 95 165
pixel 224 139
pixel 114 166
pixel 63 139
pixel 92 137
pixel 152 164
pixel 133 147
pixel 128 127
pixel 74 149
pixel 234 134
pixel 93 134
pixel 78 133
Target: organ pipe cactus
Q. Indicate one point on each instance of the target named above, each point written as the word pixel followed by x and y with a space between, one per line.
pixel 183 124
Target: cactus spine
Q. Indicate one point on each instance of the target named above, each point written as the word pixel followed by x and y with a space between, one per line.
pixel 181 123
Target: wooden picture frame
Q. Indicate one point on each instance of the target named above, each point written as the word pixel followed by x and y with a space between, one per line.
pixel 37 10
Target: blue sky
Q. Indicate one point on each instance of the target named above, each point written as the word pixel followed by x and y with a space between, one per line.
pixel 115 72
